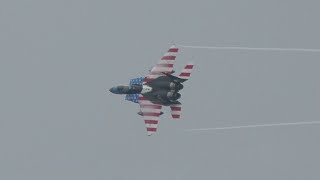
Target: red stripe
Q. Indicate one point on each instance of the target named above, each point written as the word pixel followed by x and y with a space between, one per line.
pixel 164 65
pixel 168 58
pixel 152 129
pixel 185 74
pixel 148 79
pixel 142 98
pixel 151 114
pixel 151 121
pixel 150 106
pixel 173 50
pixel 175 116
pixel 175 108
pixel 189 67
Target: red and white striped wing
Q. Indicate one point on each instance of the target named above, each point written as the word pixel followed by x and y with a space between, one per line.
pixel 150 113
pixel 176 111
pixel 186 72
pixel 165 65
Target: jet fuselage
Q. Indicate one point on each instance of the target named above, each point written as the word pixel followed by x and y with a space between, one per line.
pixel 162 90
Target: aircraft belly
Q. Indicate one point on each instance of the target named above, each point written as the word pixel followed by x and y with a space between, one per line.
pixel 156 98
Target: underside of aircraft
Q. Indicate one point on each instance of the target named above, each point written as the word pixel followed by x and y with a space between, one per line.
pixel 159 88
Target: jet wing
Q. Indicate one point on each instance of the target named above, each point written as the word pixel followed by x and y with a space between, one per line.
pixel 150 113
pixel 165 65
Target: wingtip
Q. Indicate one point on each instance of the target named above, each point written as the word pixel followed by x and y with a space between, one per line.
pixel 173 49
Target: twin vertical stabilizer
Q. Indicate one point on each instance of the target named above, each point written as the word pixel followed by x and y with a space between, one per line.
pixel 184 75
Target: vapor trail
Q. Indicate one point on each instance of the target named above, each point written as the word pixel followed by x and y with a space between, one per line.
pixel 251 48
pixel 256 126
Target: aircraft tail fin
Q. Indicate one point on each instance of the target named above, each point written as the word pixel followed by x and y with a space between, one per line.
pixel 184 75
pixel 186 72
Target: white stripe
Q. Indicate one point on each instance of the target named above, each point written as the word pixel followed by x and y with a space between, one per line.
pixel 145 102
pixel 170 54
pixel 161 69
pixel 187 70
pixel 150 110
pixel 151 125
pixel 153 76
pixel 184 77
pixel 151 118
pixel 166 62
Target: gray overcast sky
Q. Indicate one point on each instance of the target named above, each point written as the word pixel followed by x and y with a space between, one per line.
pixel 59 58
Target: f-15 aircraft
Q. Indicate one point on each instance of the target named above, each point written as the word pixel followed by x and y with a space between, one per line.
pixel 159 88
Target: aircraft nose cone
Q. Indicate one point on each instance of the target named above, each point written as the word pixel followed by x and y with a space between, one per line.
pixel 112 89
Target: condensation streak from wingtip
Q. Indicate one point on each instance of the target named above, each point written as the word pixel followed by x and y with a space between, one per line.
pixel 250 48
pixel 255 126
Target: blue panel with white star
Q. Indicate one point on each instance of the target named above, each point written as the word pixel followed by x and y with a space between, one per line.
pixel 134 97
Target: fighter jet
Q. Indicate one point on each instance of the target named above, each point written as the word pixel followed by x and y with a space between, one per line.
pixel 159 88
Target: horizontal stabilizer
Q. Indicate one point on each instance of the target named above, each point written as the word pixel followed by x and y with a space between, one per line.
pixel 176 111
pixel 151 114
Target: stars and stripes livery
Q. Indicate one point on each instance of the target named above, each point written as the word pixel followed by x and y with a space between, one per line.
pixel 134 97
pixel 158 88
pixel 165 65
pixel 151 113
pixel 186 72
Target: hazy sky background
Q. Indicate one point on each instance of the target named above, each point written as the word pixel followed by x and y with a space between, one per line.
pixel 59 58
